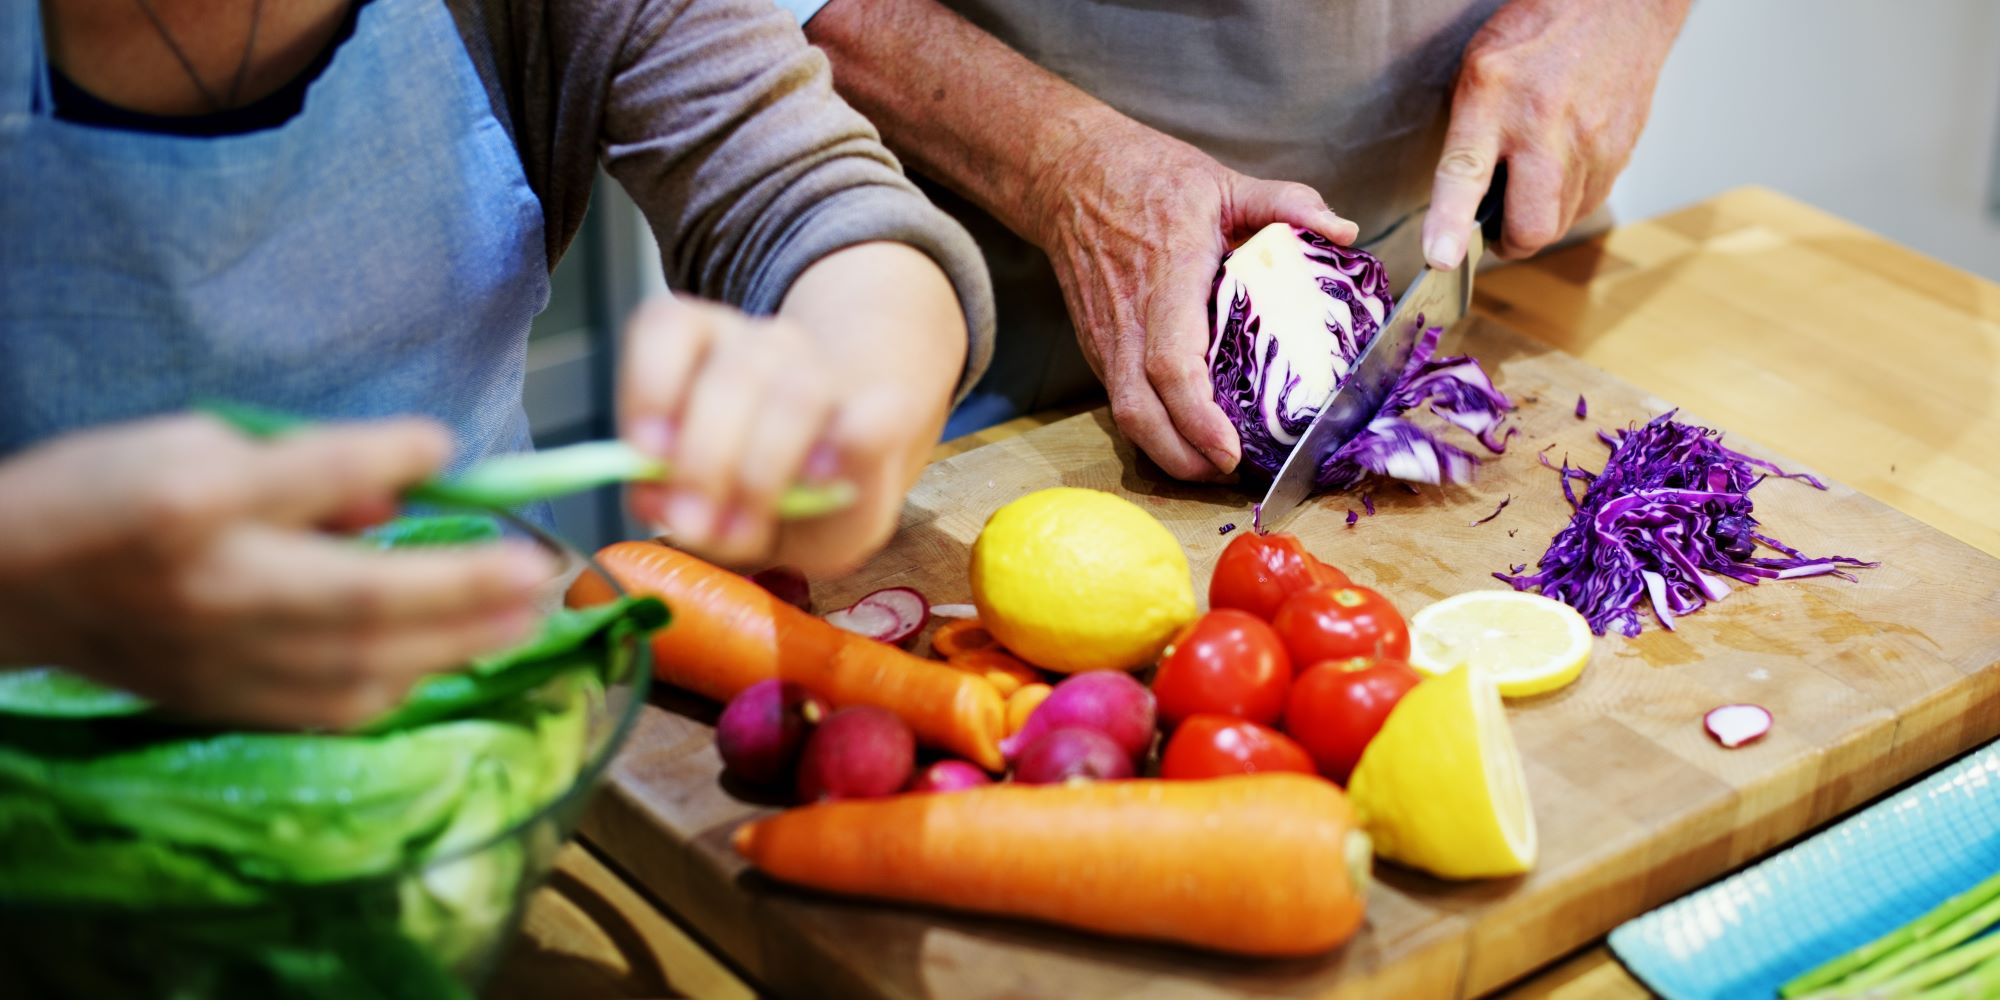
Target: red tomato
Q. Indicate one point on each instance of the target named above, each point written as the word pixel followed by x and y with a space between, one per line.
pixel 1340 623
pixel 1216 746
pixel 1337 707
pixel 1255 573
pixel 1226 663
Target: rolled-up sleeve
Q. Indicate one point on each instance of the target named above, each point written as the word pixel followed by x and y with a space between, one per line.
pixel 723 125
pixel 801 10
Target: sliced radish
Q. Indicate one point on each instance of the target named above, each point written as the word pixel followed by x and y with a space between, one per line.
pixel 1734 725
pixel 893 615
pixel 786 584
pixel 954 611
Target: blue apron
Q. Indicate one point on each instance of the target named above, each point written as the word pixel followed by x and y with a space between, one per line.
pixel 380 253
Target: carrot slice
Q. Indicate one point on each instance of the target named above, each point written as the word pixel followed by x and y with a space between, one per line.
pixel 961 635
pixel 1007 672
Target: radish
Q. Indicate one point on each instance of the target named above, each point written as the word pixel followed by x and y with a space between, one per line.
pixel 1108 701
pixel 950 776
pixel 860 752
pixel 1734 725
pixel 1072 755
pixel 893 615
pixel 761 729
pixel 786 584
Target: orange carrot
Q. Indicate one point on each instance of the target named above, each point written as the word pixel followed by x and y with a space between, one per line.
pixel 1263 864
pixel 728 633
pixel 960 635
pixel 1007 671
pixel 1023 703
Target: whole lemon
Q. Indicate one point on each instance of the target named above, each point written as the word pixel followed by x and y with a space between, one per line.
pixel 1073 580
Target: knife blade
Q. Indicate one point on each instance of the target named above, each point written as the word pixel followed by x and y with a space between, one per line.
pixel 1434 298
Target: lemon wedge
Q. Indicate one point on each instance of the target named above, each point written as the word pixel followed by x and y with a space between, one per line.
pixel 1528 644
pixel 1440 788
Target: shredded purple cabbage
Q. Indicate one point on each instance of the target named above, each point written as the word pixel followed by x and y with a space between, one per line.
pixel 1289 313
pixel 1582 408
pixel 1457 390
pixel 1496 512
pixel 1226 529
pixel 1667 520
pixel 1368 503
pixel 1352 517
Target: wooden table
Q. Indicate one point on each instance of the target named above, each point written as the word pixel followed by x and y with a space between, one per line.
pixel 1864 360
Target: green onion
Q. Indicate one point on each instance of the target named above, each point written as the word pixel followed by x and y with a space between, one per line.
pixel 1950 923
pixel 506 481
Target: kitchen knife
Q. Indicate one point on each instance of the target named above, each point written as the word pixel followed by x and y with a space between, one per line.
pixel 1435 298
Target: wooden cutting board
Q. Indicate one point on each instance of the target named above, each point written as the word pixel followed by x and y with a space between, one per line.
pixel 1870 683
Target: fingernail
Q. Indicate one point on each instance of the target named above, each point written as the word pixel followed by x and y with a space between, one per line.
pixel 652 435
pixel 1222 460
pixel 822 463
pixel 1334 221
pixel 1444 251
pixel 691 516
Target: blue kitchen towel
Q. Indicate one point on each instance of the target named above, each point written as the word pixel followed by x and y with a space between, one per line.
pixel 1747 935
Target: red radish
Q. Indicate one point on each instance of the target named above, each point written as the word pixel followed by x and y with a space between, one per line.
pixel 786 584
pixel 761 730
pixel 1072 755
pixel 1734 725
pixel 950 776
pixel 954 611
pixel 860 752
pixel 1108 701
pixel 893 615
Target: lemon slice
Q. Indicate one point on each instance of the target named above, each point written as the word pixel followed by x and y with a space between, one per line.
pixel 1527 643
pixel 1440 788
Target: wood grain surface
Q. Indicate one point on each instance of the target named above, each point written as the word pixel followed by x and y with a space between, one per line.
pixel 1728 309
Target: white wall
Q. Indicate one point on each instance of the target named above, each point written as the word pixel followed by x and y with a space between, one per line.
pixel 1884 113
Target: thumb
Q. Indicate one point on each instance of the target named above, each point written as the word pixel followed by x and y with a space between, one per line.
pixel 1255 203
pixel 1471 148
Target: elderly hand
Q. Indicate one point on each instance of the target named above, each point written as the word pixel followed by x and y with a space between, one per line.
pixel 1559 90
pixel 1137 226
pixel 179 560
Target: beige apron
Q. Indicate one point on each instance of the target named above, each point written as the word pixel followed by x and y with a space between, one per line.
pixel 1349 96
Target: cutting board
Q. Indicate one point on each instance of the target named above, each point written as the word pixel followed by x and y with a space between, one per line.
pixel 1870 682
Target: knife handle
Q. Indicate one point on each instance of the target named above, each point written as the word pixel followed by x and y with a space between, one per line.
pixel 1487 217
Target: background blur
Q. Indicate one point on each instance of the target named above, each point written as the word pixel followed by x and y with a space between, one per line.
pixel 1886 114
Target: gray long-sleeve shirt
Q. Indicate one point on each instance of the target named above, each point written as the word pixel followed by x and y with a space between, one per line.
pixel 722 123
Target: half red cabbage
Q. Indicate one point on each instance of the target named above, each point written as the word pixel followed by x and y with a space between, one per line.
pixel 1289 313
pixel 1667 521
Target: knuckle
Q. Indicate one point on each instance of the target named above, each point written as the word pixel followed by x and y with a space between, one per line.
pixel 1464 164
pixel 180 500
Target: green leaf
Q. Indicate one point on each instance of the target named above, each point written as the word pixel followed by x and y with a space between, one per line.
pixel 572 639
pixel 434 529
pixel 53 693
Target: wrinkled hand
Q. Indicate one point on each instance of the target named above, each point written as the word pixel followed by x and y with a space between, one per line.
pixel 1139 223
pixel 1559 90
pixel 175 558
pixel 743 407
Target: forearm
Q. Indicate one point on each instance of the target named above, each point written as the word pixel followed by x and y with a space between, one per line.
pixel 888 317
pixel 962 107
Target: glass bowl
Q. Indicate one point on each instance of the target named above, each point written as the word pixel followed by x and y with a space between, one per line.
pixel 111 914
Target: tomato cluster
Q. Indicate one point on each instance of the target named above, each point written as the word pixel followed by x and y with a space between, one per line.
pixel 1288 643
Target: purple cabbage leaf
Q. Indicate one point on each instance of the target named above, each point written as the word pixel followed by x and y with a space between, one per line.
pixel 1289 314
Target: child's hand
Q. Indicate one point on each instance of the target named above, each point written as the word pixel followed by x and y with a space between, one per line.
pixel 851 381
pixel 175 558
